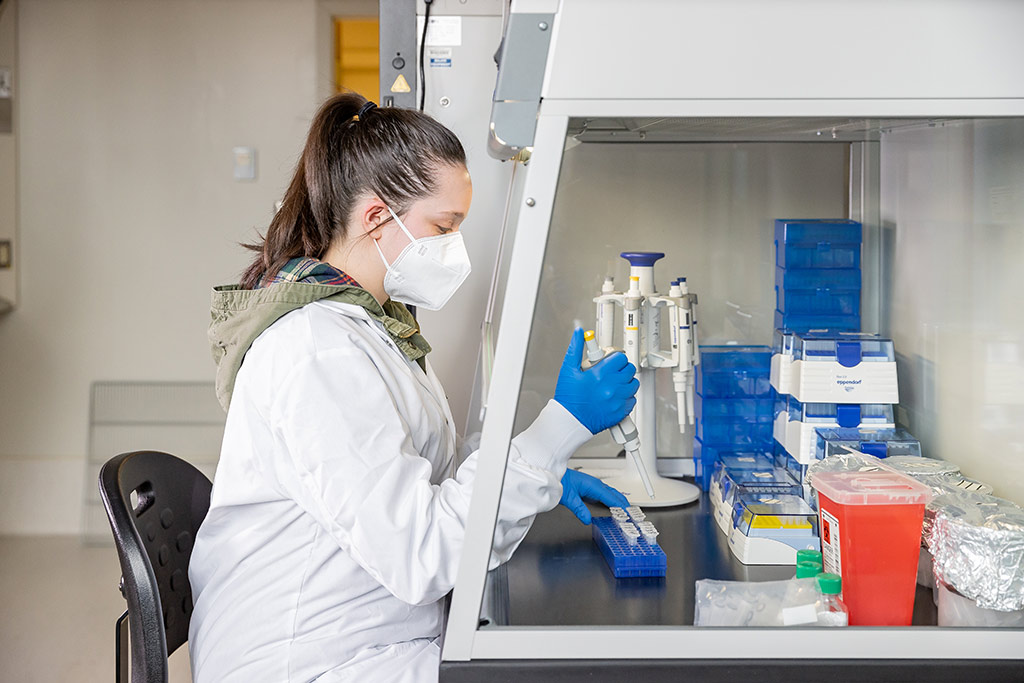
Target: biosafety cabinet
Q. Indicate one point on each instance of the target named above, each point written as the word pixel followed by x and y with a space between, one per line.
pixel 687 128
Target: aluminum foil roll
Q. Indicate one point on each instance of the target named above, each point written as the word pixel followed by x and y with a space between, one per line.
pixel 977 542
pixel 945 483
pixel 956 485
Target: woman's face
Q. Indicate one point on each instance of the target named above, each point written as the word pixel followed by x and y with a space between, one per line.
pixel 440 214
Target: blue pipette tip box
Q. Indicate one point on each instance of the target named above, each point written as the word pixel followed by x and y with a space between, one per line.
pixel 626 561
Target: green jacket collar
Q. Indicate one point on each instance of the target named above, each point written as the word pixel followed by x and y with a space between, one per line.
pixel 239 315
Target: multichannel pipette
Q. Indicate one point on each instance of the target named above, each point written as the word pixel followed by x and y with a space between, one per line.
pixel 624 433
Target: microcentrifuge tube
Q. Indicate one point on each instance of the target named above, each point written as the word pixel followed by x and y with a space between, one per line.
pixel 636 513
pixel 650 535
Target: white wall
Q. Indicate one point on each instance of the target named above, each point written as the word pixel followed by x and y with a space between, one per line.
pixel 129 213
pixel 953 244
pixel 8 153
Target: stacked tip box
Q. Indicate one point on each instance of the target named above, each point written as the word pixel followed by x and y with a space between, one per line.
pixel 734 405
pixel 796 423
pixel 625 560
pixel 831 380
pixel 817 275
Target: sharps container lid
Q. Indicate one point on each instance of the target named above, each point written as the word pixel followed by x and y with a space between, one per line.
pixel 880 487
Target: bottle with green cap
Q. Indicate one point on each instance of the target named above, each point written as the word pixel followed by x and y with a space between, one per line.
pixel 807 569
pixel 831 608
pixel 807 555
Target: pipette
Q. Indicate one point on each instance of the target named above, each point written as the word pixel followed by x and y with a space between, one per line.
pixel 625 432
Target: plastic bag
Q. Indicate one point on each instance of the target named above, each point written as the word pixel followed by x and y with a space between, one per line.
pixel 748 603
pixel 853 461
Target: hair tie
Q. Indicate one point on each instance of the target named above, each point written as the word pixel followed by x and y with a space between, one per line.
pixel 365 109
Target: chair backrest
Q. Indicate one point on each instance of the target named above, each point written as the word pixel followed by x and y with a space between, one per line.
pixel 155 503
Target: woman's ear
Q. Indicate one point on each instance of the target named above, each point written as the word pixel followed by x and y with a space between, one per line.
pixel 372 213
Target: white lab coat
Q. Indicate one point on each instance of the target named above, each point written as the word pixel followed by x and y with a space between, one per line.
pixel 335 526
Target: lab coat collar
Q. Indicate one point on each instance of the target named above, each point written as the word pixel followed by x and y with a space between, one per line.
pixel 240 315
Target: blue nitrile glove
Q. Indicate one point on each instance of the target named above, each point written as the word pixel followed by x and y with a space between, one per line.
pixel 598 397
pixel 578 487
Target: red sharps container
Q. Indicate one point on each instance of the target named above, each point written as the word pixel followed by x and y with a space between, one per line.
pixel 870 526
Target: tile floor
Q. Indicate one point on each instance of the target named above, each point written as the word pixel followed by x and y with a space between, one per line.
pixel 58 604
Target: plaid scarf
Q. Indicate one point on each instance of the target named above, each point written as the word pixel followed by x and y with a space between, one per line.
pixel 308 271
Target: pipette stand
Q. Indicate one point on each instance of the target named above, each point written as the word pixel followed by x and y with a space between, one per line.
pixel 644 353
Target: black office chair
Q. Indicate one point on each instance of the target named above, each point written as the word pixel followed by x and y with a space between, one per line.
pixel 155 503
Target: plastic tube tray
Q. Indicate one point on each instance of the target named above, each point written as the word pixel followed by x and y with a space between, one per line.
pixel 881 443
pixel 627 561
pixel 845 279
pixel 709 459
pixel 803 322
pixel 816 243
pixel 711 408
pixel 752 432
pixel 734 372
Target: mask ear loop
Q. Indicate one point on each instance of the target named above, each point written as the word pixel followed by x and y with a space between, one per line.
pixel 401 224
pixel 387 265
pixel 404 229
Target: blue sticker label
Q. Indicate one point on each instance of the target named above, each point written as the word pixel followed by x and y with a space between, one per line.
pixel 439 57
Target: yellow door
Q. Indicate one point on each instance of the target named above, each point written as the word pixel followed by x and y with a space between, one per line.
pixel 357 56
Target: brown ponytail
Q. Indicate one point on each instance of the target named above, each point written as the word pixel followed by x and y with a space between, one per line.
pixel 390 152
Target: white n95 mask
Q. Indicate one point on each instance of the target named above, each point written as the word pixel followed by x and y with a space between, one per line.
pixel 428 271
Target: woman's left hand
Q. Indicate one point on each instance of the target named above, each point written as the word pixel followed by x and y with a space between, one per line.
pixel 578 487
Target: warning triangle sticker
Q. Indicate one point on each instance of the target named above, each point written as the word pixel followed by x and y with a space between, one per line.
pixel 400 85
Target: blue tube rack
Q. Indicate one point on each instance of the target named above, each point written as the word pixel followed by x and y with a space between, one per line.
pixel 626 561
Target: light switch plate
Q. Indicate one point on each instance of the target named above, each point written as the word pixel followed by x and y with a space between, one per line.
pixel 5 254
pixel 245 163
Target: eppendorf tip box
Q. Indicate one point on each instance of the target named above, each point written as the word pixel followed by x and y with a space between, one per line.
pixel 835 368
pixel 796 427
pixel 626 559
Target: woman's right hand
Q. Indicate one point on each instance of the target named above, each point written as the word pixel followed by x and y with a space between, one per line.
pixel 598 397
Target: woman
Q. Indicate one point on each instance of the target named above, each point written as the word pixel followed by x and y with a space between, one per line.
pixel 337 517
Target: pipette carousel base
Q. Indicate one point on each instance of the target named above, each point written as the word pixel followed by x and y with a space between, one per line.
pixel 667 492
